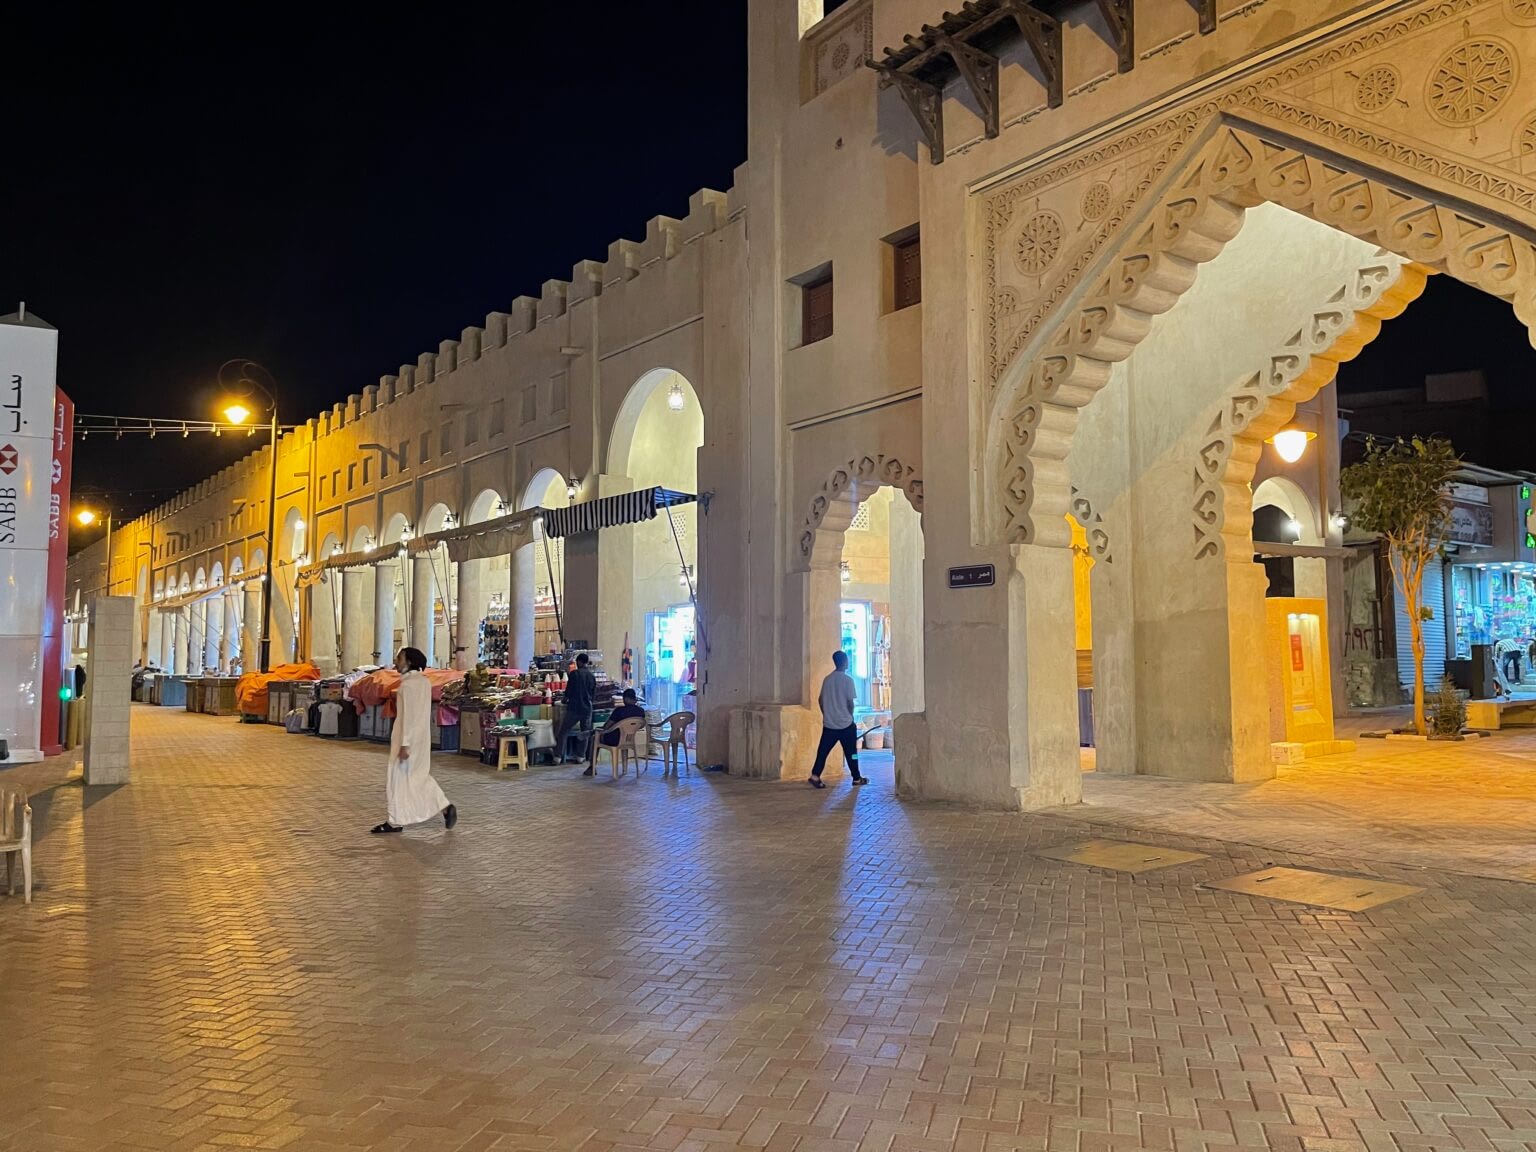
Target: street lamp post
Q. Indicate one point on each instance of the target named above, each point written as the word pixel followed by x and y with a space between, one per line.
pixel 87 517
pixel 243 383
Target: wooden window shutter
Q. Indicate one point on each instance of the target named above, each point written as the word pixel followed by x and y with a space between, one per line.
pixel 909 273
pixel 817 311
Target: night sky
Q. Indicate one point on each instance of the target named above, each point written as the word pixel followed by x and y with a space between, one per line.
pixel 330 197
pixel 336 197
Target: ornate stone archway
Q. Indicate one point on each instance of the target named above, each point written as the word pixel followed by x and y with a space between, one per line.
pixel 1262 403
pixel 1033 414
pixel 872 471
pixel 1412 131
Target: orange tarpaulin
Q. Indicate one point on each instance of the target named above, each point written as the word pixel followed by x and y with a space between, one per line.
pixel 251 692
pixel 379 687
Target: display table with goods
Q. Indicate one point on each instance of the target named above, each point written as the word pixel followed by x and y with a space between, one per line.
pixel 253 691
pixel 371 697
pixel 495 634
pixel 219 695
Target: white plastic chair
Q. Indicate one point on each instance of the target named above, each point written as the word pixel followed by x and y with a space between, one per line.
pixel 619 753
pixel 671 737
pixel 16 836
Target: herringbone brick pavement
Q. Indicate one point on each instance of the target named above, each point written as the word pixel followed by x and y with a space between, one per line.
pixel 218 955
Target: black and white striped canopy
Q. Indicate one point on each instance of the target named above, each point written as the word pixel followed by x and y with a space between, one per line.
pixel 610 511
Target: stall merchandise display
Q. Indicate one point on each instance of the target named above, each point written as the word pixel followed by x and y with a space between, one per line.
pixel 495 633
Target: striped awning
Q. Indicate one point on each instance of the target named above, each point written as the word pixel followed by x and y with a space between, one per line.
pixel 611 511
pixel 499 537
pixel 344 560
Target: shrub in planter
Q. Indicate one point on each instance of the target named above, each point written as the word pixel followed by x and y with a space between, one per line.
pixel 1448 711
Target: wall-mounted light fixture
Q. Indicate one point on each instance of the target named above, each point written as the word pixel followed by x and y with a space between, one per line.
pixel 1291 442
pixel 675 398
pixel 846 572
pixel 572 486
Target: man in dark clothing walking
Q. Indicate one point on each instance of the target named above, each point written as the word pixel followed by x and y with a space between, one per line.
pixel 837 727
pixel 580 691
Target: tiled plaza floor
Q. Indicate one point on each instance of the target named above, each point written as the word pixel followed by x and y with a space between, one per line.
pixel 1466 806
pixel 218 955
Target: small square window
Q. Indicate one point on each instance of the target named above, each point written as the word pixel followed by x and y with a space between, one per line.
pixel 816 310
pixel 426 445
pixel 445 439
pixel 405 455
pixel 471 429
pixel 557 393
pixel 351 477
pixel 530 404
pixel 498 420
pixel 367 469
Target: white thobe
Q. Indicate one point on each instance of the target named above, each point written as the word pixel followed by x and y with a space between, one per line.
pixel 413 795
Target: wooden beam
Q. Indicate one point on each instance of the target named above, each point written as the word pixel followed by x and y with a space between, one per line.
pixel 979 71
pixel 1120 15
pixel 1207 10
pixel 925 101
pixel 1043 35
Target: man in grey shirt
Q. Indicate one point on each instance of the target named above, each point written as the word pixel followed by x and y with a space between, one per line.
pixel 837 698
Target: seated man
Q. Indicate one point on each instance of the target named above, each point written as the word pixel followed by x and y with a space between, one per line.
pixel 629 710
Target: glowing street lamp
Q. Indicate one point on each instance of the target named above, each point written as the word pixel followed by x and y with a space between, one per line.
pixel 85 517
pixel 237 413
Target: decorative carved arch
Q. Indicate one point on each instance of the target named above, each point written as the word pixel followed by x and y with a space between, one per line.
pixel 872 472
pixel 1262 403
pixel 1062 367
pixel 1093 525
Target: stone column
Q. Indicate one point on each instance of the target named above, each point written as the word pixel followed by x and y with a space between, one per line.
pixel 520 621
pixel 1202 702
pixel 213 624
pixel 906 546
pixel 356 625
pixel 466 621
pixel 421 603
pixel 154 649
pixel 384 612
pixel 197 637
pixel 229 646
pixel 180 647
pixel 250 628
pixel 108 682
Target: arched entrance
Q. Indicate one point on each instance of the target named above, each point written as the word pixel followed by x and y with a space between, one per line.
pixel 431 593
pixel 862 543
pixel 291 546
pixel 483 587
pixel 357 606
pixel 1188 624
pixel 649 576
pixel 538 576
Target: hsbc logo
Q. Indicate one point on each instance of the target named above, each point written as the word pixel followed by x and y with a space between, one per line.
pixel 9 460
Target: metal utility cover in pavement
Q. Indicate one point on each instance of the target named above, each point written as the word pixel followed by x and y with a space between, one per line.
pixel 1321 889
pixel 1119 856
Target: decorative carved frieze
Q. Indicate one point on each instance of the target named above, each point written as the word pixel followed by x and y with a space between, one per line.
pixel 1438 92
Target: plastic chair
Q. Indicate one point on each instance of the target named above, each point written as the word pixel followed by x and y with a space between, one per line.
pixel 16 836
pixel 619 753
pixel 674 740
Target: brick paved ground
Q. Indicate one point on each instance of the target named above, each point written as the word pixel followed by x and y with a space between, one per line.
pixel 219 955
pixel 1466 806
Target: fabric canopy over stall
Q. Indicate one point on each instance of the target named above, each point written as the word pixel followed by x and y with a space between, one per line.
pixel 344 560
pixel 611 511
pixel 499 537
pixel 182 599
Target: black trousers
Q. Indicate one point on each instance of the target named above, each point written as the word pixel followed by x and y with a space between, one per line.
pixel 1512 667
pixel 849 738
pixel 579 724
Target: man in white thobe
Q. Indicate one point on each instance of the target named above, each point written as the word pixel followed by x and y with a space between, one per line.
pixel 413 795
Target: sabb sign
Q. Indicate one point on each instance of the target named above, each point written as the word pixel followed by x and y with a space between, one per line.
pixel 28 368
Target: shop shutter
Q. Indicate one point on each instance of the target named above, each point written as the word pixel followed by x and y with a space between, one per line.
pixel 908 273
pixel 817 319
pixel 1435 631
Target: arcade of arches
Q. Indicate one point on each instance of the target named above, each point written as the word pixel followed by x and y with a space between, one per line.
pixel 1127 286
